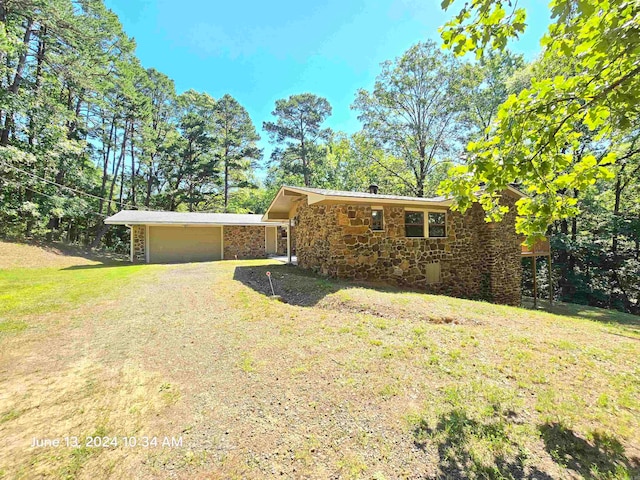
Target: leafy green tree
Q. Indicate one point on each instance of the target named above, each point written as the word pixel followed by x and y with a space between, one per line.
pixel 355 162
pixel 298 134
pixel 238 153
pixel 194 173
pixel 414 110
pixel 537 137
pixel 486 85
pixel 158 129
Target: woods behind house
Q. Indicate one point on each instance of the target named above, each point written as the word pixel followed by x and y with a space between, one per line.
pixel 86 131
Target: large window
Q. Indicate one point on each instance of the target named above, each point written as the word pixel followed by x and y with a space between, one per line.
pixel 414 224
pixel 437 224
pixel 377 219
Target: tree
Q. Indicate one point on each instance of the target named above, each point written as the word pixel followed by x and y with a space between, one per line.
pixel 413 111
pixel 158 128
pixel 194 173
pixel 86 131
pixel 355 162
pixel 486 86
pixel 297 132
pixel 237 150
pixel 536 139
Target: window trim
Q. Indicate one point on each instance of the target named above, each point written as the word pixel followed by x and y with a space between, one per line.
pixel 437 224
pixel 381 209
pixel 425 230
pixel 424 220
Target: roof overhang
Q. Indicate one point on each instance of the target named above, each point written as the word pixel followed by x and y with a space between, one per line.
pixel 129 223
pixel 184 219
pixel 281 206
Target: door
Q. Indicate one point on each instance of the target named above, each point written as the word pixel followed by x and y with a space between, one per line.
pixel 184 244
pixel 272 240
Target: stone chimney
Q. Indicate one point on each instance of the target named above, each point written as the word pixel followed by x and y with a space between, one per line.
pixel 373 189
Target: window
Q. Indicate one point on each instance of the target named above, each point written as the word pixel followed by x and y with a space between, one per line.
pixel 377 220
pixel 437 224
pixel 283 232
pixel 414 224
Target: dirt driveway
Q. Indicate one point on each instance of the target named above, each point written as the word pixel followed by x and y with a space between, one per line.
pixel 337 383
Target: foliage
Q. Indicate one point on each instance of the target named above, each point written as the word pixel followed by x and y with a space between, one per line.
pixel 538 135
pixel 413 113
pixel 298 134
pixel 86 131
pixel 238 152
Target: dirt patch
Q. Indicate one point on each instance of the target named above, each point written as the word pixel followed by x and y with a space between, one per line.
pixel 344 381
pixel 297 287
pixel 390 311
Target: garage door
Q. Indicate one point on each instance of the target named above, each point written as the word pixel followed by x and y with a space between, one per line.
pixel 184 244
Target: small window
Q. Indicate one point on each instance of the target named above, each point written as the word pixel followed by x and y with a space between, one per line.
pixel 437 224
pixel 377 220
pixel 414 224
pixel 283 232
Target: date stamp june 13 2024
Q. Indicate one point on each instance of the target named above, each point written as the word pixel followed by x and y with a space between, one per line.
pixel 107 442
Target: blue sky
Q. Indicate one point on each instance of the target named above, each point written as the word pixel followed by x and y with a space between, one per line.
pixel 262 51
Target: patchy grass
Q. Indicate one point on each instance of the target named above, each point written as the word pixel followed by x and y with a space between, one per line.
pixel 355 381
pixel 39 255
pixel 39 291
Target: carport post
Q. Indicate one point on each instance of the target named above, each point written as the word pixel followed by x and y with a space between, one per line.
pixel 289 242
pixel 131 243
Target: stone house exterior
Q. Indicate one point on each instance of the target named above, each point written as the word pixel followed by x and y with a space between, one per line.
pixel 414 242
pixel 168 237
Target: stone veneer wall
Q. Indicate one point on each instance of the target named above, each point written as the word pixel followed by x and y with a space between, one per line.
pixel 243 241
pixel 477 260
pixel 139 235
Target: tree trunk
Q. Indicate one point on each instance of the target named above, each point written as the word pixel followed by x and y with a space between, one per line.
pixel 105 164
pixel 226 178
pixel 42 48
pixel 616 214
pixel 117 169
pixel 147 199
pixel 305 162
pixel 17 80
pixel 133 169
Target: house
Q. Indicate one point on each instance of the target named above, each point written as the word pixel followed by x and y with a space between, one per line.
pixel 415 242
pixel 164 237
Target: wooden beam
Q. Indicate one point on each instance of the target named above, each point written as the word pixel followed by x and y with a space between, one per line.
pixel 535 283
pixel 550 280
pixel 289 242
pixel 278 215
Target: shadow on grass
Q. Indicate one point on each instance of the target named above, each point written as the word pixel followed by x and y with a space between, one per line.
pixel 108 264
pixel 630 321
pixel 484 447
pixel 65 249
pixel 603 457
pixel 301 287
pixel 466 445
pixel 293 285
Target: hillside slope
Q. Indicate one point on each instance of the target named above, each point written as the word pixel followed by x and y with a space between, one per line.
pixel 343 381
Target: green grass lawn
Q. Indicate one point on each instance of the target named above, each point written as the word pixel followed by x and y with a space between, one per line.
pixel 346 380
pixel 34 291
